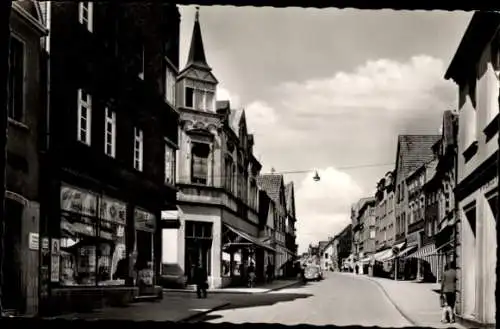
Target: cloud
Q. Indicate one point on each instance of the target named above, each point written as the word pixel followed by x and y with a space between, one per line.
pixel 224 95
pixel 347 119
pixel 323 206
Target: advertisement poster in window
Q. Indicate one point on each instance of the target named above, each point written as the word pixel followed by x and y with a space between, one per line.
pixel 54 268
pixel 78 201
pixel 144 220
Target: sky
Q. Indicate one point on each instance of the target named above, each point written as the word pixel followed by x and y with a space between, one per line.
pixel 330 90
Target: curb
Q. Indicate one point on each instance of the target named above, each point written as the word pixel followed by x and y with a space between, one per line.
pixel 200 314
pixel 221 291
pixel 408 318
pixel 292 284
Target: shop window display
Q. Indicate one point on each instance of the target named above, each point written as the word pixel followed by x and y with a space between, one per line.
pixel 145 224
pixel 92 242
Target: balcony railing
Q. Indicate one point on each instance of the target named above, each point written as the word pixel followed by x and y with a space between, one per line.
pixel 198 193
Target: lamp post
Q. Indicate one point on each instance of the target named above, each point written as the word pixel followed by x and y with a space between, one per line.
pixel 5 8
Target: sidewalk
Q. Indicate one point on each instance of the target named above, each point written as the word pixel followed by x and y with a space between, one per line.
pixel 170 308
pixel 262 288
pixel 418 302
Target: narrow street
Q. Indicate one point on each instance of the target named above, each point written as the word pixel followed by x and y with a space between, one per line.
pixel 340 299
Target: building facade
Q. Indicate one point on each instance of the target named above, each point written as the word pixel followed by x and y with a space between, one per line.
pixel 291 230
pixel 274 186
pixel 216 177
pixel 108 154
pixel 25 108
pixel 474 69
pixel 444 181
pixel 384 212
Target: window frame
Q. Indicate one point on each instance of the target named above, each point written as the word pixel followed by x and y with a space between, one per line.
pixel 110 119
pixel 22 42
pixel 172 163
pixel 138 159
pixel 192 106
pixel 89 20
pixel 87 104
pixel 142 55
pixel 173 88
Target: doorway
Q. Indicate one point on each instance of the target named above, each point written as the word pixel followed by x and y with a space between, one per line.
pixel 13 297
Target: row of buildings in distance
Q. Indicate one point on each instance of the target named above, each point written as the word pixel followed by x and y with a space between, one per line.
pixel 440 203
pixel 119 162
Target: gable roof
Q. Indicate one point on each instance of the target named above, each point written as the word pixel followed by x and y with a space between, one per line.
pixel 235 116
pixel 412 152
pixel 322 245
pixel 271 183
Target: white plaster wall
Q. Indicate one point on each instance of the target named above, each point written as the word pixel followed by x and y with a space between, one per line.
pixel 170 245
pixel 467 264
pixel 202 214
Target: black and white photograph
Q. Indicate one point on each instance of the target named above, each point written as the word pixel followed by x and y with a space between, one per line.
pixel 211 164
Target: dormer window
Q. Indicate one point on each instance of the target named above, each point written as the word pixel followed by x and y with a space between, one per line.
pixel 189 97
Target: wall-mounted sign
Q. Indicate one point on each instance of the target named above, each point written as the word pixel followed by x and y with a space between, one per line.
pixel 55 247
pixel 144 220
pixel 78 201
pixel 113 210
pixel 54 269
pixel 34 241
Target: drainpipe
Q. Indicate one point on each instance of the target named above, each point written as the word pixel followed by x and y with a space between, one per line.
pixel 5 9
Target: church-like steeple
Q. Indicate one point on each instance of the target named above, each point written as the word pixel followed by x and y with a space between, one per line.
pixel 196 55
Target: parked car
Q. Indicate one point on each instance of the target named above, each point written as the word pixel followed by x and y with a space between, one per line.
pixel 313 273
pixel 172 276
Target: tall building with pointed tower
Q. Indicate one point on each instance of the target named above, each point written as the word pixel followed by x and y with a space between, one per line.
pixel 216 178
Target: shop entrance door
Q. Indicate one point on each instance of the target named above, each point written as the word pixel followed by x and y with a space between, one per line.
pixel 196 252
pixel 13 298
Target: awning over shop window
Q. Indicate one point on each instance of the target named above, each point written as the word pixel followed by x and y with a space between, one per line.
pixel 383 255
pixel 365 260
pixel 250 240
pixel 445 246
pixel 403 252
pixel 398 246
pixel 425 251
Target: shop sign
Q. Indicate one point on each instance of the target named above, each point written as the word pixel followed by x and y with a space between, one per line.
pixel 144 220
pixel 491 183
pixel 81 202
pixel 34 241
pixel 412 238
pixel 113 210
pixel 54 268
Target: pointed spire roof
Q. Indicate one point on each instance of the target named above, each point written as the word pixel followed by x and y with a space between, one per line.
pixel 197 50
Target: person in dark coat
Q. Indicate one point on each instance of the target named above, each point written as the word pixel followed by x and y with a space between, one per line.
pixel 448 292
pixel 201 281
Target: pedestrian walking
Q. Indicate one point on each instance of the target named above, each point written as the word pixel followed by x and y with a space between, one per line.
pixel 448 293
pixel 201 280
pixel 251 276
pixel 269 272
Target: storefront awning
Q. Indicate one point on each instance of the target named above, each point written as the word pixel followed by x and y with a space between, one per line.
pixel 383 255
pixel 423 252
pixel 251 240
pixel 403 252
pixel 398 246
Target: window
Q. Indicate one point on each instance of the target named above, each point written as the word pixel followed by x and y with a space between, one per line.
pixel 86 14
pixel 138 149
pixel 470 214
pixel 16 80
pixel 199 163
pixel 170 80
pixel 493 202
pixel 326 255
pixel 169 164
pixel 110 133
pixel 86 260
pixel 189 97
pixel 84 117
pixel 142 63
